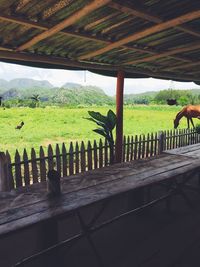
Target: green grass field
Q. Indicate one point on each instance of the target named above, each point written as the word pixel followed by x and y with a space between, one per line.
pixel 51 125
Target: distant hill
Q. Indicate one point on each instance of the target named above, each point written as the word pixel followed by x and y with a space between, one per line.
pixel 69 93
pixel 71 85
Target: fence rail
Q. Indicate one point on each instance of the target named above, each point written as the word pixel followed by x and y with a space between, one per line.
pixel 25 170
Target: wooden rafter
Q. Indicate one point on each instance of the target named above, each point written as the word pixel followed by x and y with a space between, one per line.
pixel 21 4
pixel 183 66
pixel 21 57
pixel 116 25
pixel 139 35
pixel 55 8
pixel 146 15
pixel 187 48
pixel 101 20
pixel 65 23
pixel 42 26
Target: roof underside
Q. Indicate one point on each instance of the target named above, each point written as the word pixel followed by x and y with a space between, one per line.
pixel 149 38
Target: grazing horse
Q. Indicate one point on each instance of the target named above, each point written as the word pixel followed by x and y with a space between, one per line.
pixel 189 112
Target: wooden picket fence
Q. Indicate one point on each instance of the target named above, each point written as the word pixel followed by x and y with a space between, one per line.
pixel 25 170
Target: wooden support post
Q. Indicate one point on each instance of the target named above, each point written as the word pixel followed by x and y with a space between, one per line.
pixel 3 173
pixel 119 114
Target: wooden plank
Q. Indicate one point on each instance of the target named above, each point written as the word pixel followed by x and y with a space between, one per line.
pixel 105 153
pixel 26 168
pixel 135 148
pixel 100 154
pixel 151 145
pixel 18 172
pixel 191 47
pixel 23 215
pixel 10 171
pixel 143 146
pixel 124 145
pixel 71 159
pixel 95 157
pixel 128 149
pixel 43 172
pixel 55 8
pixel 65 23
pixel 139 146
pixel 83 161
pixel 58 159
pixel 149 31
pixel 147 146
pixel 55 61
pixel 50 158
pixel 132 148
pixel 77 159
pixel 156 144
pixel 34 166
pixel 89 155
pixel 64 160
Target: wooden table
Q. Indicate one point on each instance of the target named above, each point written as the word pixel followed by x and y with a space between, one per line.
pixel 31 205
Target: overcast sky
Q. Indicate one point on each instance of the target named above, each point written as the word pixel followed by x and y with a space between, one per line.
pixel 108 84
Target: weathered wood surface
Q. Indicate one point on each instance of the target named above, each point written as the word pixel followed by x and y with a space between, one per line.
pixel 29 205
pixel 190 151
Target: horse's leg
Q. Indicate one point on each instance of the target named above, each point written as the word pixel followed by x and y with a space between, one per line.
pixel 188 123
pixel 192 122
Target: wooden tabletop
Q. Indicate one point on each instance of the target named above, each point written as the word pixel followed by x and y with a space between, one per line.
pixel 26 206
pixel 190 151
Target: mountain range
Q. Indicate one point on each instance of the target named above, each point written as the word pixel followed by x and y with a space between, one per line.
pixel 69 93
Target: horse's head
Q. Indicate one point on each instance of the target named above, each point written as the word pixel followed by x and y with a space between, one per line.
pixel 176 123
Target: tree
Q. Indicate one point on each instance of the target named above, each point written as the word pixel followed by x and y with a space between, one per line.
pixel 107 124
pixel 36 100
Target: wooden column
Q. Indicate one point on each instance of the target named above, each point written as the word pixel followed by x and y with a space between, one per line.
pixel 119 114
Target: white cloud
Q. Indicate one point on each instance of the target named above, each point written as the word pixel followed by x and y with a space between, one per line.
pixel 59 77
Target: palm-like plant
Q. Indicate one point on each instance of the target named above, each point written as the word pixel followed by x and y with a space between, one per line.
pixel 36 99
pixel 107 124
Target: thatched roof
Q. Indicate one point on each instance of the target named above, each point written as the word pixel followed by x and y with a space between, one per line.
pixel 149 38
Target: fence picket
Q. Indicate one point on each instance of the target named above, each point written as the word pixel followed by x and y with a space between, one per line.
pixel 95 155
pixel 100 154
pixel 25 171
pixel 50 158
pixel 135 148
pixel 132 148
pixel 124 149
pixel 77 160
pixel 26 168
pixel 89 155
pixel 83 162
pixel 64 160
pixel 58 159
pixel 151 144
pixel 71 159
pixel 34 166
pixel 43 172
pixel 147 146
pixel 18 172
pixel 10 173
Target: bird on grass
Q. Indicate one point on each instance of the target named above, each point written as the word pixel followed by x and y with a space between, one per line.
pixel 18 127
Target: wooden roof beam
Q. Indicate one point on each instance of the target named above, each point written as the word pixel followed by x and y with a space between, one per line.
pixel 183 66
pixel 65 23
pixel 187 48
pixel 149 31
pixel 42 26
pixel 21 4
pixel 55 8
pixel 26 57
pixel 143 14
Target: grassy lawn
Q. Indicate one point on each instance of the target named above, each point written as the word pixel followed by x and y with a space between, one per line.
pixel 51 125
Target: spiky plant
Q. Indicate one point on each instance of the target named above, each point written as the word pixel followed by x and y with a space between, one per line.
pixel 36 99
pixel 106 126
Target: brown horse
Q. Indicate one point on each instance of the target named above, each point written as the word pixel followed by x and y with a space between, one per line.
pixel 189 112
